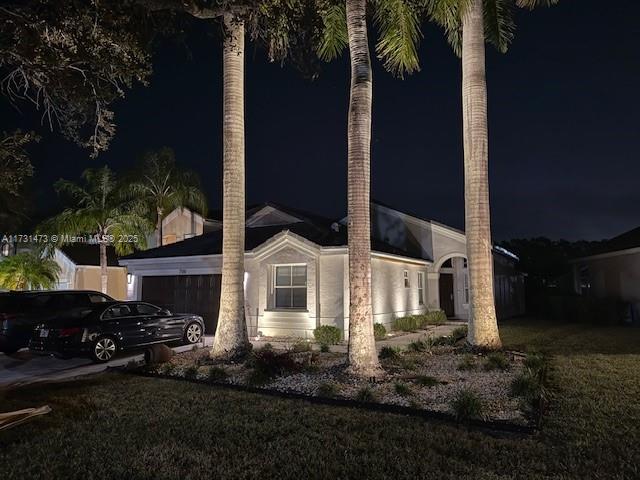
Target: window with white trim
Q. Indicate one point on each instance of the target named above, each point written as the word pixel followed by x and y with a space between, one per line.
pixel 406 279
pixel 466 288
pixel 421 288
pixel 290 285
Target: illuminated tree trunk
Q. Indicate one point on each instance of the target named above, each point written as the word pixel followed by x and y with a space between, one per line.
pixel 159 227
pixel 483 325
pixel 363 358
pixel 104 275
pixel 231 337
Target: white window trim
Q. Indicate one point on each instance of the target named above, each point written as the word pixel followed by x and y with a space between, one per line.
pixel 420 288
pixel 407 283
pixel 274 287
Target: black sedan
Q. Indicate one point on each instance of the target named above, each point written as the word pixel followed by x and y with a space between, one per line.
pixel 103 330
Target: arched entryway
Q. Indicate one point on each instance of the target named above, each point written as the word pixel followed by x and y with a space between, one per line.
pixel 453 285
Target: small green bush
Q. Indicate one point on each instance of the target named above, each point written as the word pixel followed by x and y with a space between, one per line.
pixel 525 386
pixel 327 389
pixel 468 362
pixel 407 324
pixel 167 368
pixel 379 332
pixel 403 389
pixel 496 361
pixel 217 374
pixel 328 335
pixel 365 394
pixel 269 363
pixel 467 405
pixel 435 317
pixel 418 346
pixel 535 361
pixel 191 372
pixel 459 333
pixel 389 352
pixel 427 381
pixel 407 363
pixel 324 348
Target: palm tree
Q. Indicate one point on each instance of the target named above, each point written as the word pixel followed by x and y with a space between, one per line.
pixel 28 270
pixel 397 22
pixel 231 337
pixel 99 212
pixel 477 21
pixel 163 187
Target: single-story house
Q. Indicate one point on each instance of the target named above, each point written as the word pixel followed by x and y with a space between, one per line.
pixel 613 272
pixel 80 270
pixel 296 271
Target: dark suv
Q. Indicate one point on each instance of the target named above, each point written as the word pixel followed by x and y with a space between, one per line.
pixel 20 312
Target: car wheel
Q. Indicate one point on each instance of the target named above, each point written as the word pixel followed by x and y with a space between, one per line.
pixel 104 349
pixel 193 333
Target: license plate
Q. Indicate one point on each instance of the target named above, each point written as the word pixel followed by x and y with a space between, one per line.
pixel 44 332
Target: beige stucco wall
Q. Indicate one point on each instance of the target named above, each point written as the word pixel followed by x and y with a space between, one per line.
pixel 88 278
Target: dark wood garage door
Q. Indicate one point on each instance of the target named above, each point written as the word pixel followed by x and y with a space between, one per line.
pixel 199 294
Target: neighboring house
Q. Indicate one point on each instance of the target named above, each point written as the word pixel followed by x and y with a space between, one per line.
pixel 296 274
pixel 80 270
pixel 613 272
pixel 182 224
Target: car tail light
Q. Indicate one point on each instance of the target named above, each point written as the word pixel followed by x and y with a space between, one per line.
pixel 67 332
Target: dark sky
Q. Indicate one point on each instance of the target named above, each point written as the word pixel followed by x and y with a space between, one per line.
pixel 563 118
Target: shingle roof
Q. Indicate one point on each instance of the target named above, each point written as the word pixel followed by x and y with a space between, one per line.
pixel 320 234
pixel 89 254
pixel 625 241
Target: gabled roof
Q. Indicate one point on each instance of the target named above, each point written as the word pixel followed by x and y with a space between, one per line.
pixel 624 241
pixel 89 254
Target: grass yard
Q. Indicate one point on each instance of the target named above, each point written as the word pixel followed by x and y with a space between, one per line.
pixel 116 426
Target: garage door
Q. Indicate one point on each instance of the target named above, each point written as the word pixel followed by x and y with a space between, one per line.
pixel 199 294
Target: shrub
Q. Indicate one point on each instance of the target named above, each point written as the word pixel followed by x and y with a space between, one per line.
pixel 407 363
pixel 258 377
pixel 459 333
pixel 496 361
pixel 379 332
pixel 403 389
pixel 525 386
pixel 435 317
pixel 418 346
pixel 327 389
pixel 407 324
pixel 365 394
pixel 535 361
pixel 191 372
pixel 426 381
pixel 468 362
pixel 467 405
pixel 301 346
pixel 327 335
pixel 324 348
pixel 217 374
pixel 269 363
pixel 167 368
pixel 389 352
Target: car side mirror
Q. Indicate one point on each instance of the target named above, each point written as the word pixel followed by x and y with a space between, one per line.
pixel 164 311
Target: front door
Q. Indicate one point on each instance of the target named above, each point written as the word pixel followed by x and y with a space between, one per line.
pixel 446 294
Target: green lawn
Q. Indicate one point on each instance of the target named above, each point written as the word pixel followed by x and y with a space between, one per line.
pixel 117 426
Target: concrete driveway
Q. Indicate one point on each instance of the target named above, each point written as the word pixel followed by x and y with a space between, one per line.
pixel 23 367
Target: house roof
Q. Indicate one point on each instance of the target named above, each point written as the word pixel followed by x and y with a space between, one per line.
pixel 89 254
pixel 624 241
pixel 319 230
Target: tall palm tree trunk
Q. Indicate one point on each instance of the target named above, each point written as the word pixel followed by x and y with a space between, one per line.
pixel 483 325
pixel 363 358
pixel 159 227
pixel 231 337
pixel 104 275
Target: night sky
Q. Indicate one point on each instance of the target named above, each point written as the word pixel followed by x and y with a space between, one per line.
pixel 563 118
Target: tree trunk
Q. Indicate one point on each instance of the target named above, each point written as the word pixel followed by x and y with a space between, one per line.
pixel 483 325
pixel 231 337
pixel 363 358
pixel 103 268
pixel 159 227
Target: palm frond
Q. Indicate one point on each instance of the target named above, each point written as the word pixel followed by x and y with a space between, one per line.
pixel 334 35
pixel 398 24
pixel 448 14
pixel 531 4
pixel 498 23
pixel 28 270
